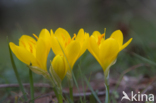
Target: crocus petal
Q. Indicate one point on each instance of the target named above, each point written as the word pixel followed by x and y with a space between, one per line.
pixel 84 44
pixel 96 34
pixel 117 35
pixel 28 43
pixel 57 45
pixel 73 50
pixel 42 53
pixel 58 64
pixel 51 32
pixel 62 34
pixel 80 35
pixel 109 48
pixel 23 55
pixel 26 38
pixel 108 51
pixel 82 38
pixel 93 48
pixel 126 44
pixel 45 35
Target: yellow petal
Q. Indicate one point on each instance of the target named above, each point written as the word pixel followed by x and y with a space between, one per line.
pixel 84 44
pixel 117 35
pixel 98 37
pixel 96 34
pixel 59 67
pixel 26 38
pixel 62 34
pixel 23 55
pixel 28 43
pixel 51 32
pixel 55 44
pixel 93 48
pixel 73 50
pixel 45 35
pixel 126 44
pixel 108 52
pixel 80 35
pixel 42 51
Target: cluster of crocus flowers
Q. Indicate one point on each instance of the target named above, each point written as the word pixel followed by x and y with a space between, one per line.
pixel 72 48
pixel 34 52
pixel 106 50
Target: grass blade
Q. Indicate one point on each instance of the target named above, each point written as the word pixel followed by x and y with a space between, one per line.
pixel 144 59
pixel 92 99
pixel 94 94
pixel 16 73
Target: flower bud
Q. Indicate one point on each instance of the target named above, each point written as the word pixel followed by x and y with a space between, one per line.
pixel 59 66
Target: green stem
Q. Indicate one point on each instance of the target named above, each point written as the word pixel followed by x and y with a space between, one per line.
pixel 70 81
pixel 31 86
pixel 107 98
pixel 71 93
pixel 55 91
pixel 60 100
pixel 58 94
pixel 16 73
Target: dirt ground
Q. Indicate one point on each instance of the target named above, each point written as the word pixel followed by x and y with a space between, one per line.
pixel 139 86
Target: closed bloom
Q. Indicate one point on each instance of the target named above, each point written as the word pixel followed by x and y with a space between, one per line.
pixel 33 52
pixel 106 50
pixel 73 48
pixel 59 65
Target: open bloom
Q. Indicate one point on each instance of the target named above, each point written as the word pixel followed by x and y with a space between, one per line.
pixel 106 50
pixel 73 48
pixel 59 65
pixel 33 52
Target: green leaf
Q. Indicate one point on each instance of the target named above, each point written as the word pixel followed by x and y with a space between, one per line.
pixel 144 59
pixel 16 72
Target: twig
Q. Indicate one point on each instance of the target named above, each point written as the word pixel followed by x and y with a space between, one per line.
pixel 149 84
pixel 48 86
pixel 75 95
pixel 25 85
pixel 88 94
pixel 128 70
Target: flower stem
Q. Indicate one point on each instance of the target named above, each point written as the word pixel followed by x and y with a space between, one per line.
pixel 58 94
pixel 16 73
pixel 107 98
pixel 31 86
pixel 60 100
pixel 71 93
pixel 55 91
pixel 70 82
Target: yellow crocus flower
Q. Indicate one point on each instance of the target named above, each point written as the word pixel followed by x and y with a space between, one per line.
pixel 33 53
pixel 73 47
pixel 59 65
pixel 106 50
